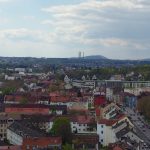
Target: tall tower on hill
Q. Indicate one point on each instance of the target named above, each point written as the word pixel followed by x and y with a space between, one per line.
pixel 79 54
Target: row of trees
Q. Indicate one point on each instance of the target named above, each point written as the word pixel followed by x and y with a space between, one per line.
pixel 106 72
pixel 144 106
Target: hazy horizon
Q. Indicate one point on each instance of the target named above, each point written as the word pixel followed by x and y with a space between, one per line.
pixel 115 29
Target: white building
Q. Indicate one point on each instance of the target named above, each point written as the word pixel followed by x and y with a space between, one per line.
pixel 20 69
pixel 16 132
pixel 66 79
pixel 108 129
pixel 82 124
pixel 9 77
pixel 83 84
pixel 79 124
pixel 137 91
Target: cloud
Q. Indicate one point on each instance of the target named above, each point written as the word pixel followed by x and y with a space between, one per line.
pixel 29 17
pixel 4 20
pixel 24 34
pixel 3 1
pixel 99 21
pixel 96 26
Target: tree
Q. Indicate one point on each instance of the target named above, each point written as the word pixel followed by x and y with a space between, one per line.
pixel 8 90
pixel 62 127
pixel 67 147
pixel 144 106
pixel 23 101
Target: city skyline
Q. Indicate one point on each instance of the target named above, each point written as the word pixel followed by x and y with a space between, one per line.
pixel 116 29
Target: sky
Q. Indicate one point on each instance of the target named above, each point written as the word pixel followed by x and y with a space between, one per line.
pixel 116 29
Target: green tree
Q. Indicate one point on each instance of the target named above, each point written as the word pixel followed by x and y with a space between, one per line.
pixel 62 127
pixel 8 90
pixel 67 147
pixel 144 106
pixel 24 101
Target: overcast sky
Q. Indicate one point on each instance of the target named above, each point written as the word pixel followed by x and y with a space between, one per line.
pixel 61 28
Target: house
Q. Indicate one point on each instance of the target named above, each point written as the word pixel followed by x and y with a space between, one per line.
pixel 94 77
pixel 127 133
pixel 85 141
pixel 79 103
pixel 99 100
pixel 66 79
pixel 13 98
pixel 83 124
pixel 59 100
pixel 20 69
pixel 83 83
pixel 108 111
pixel 52 142
pixel 108 129
pixel 137 90
pixel 125 144
pixel 43 122
pixel 17 132
pixel 9 77
pixel 79 124
pixel 36 109
pixel 113 93
pixel 12 147
pixel 129 100
pixel 5 121
pixel 109 93
pixel 117 77
pixel 72 103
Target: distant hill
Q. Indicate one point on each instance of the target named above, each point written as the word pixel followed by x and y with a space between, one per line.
pixel 95 57
pixel 147 59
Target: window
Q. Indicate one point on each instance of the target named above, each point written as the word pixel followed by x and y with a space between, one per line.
pixel 102 126
pixel 101 140
pixel 101 132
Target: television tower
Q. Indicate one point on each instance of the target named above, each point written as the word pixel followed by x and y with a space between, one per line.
pixel 79 55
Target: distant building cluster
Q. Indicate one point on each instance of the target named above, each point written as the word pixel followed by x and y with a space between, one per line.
pixel 96 110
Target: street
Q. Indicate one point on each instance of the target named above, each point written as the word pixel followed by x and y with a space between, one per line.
pixel 141 127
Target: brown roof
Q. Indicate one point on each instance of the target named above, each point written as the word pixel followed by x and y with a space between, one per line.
pixel 59 99
pixel 42 141
pixel 10 147
pixel 85 138
pixel 17 98
pixel 107 122
pixel 83 119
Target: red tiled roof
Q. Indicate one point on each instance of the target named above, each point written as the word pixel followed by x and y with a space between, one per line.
pixel 83 119
pixel 98 111
pixel 10 147
pixel 41 141
pixel 59 99
pixel 99 100
pixel 14 98
pixel 107 122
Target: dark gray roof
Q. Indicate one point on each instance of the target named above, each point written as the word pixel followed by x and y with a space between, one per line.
pixel 24 131
pixel 122 132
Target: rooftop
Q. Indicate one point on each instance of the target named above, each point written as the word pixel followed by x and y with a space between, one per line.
pixel 22 130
